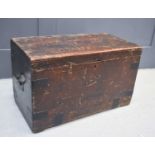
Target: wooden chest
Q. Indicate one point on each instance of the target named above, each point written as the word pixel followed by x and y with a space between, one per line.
pixel 57 79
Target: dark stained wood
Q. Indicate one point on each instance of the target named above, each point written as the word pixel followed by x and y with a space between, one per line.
pixel 58 79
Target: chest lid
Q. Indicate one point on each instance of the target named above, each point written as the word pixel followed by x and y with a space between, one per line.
pixel 55 46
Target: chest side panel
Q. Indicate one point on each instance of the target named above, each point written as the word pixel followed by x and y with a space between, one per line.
pixel 21 76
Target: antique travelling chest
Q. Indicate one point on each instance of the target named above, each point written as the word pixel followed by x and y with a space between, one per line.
pixel 57 79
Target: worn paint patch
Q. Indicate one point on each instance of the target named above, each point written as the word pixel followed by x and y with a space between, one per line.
pixel 39 83
pixel 115 103
pixel 134 65
pixel 58 119
pixel 40 115
pixel 127 93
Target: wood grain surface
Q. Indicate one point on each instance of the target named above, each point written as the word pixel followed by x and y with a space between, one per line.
pixel 69 77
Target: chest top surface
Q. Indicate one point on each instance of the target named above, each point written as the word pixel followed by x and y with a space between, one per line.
pixel 44 47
